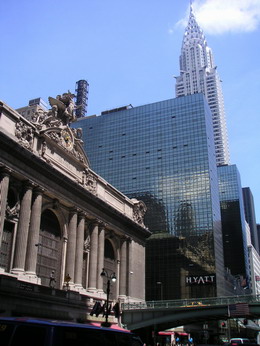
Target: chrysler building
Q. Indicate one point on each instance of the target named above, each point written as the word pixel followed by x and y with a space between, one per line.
pixel 198 74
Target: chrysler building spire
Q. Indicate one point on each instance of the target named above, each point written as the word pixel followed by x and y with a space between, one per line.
pixel 198 74
pixel 191 1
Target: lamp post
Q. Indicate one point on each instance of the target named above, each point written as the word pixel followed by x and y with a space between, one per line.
pixel 39 253
pixel 161 289
pixel 111 277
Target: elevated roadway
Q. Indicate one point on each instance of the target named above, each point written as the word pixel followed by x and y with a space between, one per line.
pixel 172 313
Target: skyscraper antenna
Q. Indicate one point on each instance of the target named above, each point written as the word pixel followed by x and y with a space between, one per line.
pixel 191 1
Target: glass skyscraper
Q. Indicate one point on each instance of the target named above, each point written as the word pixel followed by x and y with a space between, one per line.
pixel 233 221
pixel 163 153
pixel 250 215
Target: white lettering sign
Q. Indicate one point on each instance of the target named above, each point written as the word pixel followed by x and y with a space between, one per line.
pixel 200 280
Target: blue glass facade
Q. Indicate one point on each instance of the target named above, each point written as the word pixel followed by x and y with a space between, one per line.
pixel 163 153
pixel 249 206
pixel 233 220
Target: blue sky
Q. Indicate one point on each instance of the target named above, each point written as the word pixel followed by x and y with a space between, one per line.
pixel 129 52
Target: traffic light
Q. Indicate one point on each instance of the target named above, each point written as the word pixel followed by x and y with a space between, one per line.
pixel 223 324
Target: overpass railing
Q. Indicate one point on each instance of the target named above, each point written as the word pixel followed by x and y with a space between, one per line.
pixel 195 302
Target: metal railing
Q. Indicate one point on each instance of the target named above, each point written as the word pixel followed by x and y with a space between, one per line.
pixel 195 302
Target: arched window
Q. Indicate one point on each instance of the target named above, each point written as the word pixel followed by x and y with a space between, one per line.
pixel 49 249
pixel 109 250
pixel 110 266
pixel 12 198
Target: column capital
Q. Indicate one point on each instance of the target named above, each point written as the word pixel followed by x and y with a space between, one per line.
pixel 39 190
pixel 125 238
pixel 28 184
pixel 73 210
pixel 95 222
pixel 81 214
pixel 5 171
pixel 102 225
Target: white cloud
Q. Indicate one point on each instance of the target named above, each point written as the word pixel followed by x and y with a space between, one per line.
pixel 221 16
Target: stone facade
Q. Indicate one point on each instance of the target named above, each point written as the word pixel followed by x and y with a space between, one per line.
pixel 61 223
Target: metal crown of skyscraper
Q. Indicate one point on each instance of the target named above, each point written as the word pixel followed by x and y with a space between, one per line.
pixel 198 75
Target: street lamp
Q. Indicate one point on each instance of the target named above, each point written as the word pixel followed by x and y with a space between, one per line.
pixel 161 289
pixel 113 279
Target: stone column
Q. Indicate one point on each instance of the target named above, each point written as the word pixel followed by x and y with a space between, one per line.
pixel 79 250
pixel 71 246
pixel 4 185
pixel 123 268
pixel 86 252
pixel 130 268
pixel 34 232
pixel 22 230
pixel 92 283
pixel 100 265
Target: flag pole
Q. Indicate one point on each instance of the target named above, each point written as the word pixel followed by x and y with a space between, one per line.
pixel 228 323
pixel 228 329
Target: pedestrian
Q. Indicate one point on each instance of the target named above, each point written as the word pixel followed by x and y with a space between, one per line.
pixel 52 280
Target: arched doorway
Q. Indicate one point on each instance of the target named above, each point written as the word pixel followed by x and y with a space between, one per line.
pixel 110 267
pixel 49 249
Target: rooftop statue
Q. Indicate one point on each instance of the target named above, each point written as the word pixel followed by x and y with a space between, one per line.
pixel 54 124
pixel 62 112
pixel 63 107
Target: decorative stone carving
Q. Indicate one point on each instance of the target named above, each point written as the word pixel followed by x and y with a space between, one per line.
pixel 43 119
pixel 56 204
pixel 24 133
pixel 90 181
pixel 87 244
pixel 61 113
pixel 54 124
pixel 139 211
pixel 102 224
pixel 55 136
pixel 67 139
pixel 77 133
pixel 13 212
pixel 78 155
pixel 63 107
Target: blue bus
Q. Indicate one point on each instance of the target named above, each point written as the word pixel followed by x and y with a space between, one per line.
pixel 36 332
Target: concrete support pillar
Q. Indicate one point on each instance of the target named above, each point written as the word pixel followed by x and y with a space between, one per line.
pixel 79 250
pixel 4 186
pixel 123 268
pixel 71 246
pixel 93 256
pixel 22 230
pixel 101 246
pixel 34 232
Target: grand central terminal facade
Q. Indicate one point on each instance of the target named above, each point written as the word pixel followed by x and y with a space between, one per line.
pixel 62 225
